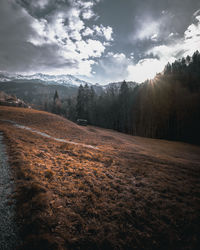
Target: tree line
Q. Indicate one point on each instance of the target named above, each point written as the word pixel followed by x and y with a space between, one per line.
pixel 166 107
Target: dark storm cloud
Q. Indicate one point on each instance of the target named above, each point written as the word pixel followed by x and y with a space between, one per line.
pixel 96 37
pixel 25 57
pixel 16 52
pixel 130 16
pixel 44 8
pixel 153 31
pixel 52 41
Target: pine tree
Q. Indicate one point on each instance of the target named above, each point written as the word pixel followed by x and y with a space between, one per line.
pixel 56 97
pixel 124 106
pixel 56 104
pixel 80 103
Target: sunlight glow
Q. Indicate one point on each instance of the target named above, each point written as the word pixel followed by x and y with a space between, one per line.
pixel 145 69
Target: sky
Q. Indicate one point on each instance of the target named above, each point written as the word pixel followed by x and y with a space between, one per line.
pixel 99 41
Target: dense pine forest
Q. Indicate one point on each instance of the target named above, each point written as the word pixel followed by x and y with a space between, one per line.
pixel 167 107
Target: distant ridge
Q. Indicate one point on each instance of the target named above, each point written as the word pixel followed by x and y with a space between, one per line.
pixel 39 88
pixel 64 80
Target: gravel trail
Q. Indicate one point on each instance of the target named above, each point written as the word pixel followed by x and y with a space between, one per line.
pixel 8 229
pixel 49 136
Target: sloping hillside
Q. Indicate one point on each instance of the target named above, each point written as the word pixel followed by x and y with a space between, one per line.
pixel 125 192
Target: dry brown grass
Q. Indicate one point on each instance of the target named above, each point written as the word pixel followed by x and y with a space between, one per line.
pixel 132 193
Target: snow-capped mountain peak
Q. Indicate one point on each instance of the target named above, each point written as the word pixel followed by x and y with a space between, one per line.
pixel 65 80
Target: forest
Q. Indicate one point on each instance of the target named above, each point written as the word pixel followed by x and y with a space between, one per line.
pixel 166 107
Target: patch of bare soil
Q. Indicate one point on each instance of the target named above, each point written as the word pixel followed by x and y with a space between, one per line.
pixel 131 193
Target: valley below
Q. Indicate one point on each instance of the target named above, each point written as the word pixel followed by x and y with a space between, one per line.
pixel 96 188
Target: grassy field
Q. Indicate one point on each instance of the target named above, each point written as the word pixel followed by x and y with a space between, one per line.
pixel 128 193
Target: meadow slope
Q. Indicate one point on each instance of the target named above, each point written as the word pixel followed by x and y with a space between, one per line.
pixel 127 193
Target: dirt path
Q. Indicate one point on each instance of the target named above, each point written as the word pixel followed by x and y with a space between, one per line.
pixel 8 228
pixel 49 136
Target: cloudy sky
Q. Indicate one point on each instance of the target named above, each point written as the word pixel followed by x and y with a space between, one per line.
pixel 99 41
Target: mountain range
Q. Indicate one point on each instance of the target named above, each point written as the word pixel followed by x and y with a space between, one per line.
pixel 64 80
pixel 39 88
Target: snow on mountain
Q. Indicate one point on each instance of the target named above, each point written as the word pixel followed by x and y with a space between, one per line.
pixel 61 80
pixel 65 80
